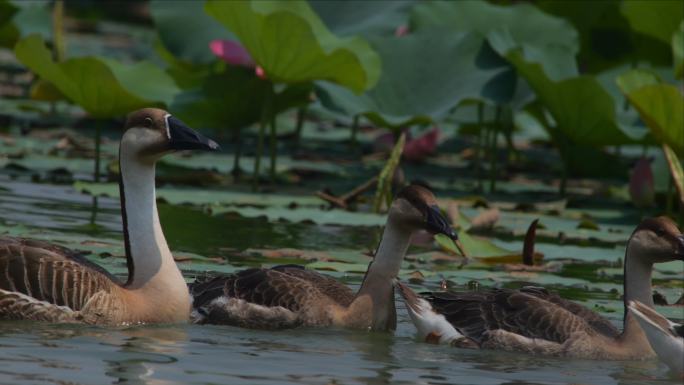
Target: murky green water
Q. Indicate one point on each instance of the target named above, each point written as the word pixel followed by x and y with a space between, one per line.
pixel 33 353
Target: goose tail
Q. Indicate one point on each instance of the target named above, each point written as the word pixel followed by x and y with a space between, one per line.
pixel 432 326
pixel 661 334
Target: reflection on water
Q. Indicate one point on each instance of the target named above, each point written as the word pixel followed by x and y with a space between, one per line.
pixel 192 354
pixel 34 353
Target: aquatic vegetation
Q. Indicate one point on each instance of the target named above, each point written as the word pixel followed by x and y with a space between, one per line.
pixel 358 99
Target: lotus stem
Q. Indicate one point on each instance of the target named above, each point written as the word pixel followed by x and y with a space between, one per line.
pixel 257 160
pixel 384 190
pixel 511 153
pixel 564 179
pixel 274 148
pixel 492 170
pixel 478 151
pixel 301 114
pixel 668 196
pixel 265 117
pixel 236 172
pixel 58 30
pixel 98 139
pixel 58 44
pixel 354 129
pixel 93 211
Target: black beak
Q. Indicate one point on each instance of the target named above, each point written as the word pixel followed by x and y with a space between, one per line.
pixel 437 224
pixel 680 247
pixel 182 137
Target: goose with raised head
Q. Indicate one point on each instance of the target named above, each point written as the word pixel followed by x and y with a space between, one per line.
pixel 45 282
pixel 665 336
pixel 536 321
pixel 289 296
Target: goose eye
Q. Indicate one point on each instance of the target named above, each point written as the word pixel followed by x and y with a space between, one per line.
pixel 148 122
pixel 660 232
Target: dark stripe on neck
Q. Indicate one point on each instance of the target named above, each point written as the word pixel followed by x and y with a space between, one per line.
pixel 127 241
pixel 365 276
pixel 624 280
pixel 624 288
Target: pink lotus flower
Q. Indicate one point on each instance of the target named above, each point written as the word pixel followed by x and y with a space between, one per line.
pixel 401 30
pixel 234 53
pixel 419 148
pixel 415 149
pixel 641 186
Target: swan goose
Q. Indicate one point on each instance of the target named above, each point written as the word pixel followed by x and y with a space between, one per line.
pixel 41 281
pixel 666 337
pixel 289 296
pixel 536 321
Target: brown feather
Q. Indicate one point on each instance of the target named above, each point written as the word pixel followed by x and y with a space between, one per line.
pixel 529 312
pixel 43 274
pixel 286 287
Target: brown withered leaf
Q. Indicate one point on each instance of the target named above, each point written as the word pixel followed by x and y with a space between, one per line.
pixel 416 277
pixel 485 220
pixel 308 255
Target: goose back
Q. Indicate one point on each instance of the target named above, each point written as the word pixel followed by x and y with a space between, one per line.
pixel 264 295
pixel 531 312
pixel 40 280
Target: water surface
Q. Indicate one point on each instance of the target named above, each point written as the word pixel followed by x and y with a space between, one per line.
pixel 35 353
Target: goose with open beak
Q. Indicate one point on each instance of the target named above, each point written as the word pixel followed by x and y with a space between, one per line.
pixel 533 320
pixel 290 296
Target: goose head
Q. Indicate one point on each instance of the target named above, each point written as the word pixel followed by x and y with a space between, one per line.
pixel 415 207
pixel 657 240
pixel 151 133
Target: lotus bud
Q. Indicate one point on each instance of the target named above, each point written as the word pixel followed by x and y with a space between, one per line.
pixel 641 186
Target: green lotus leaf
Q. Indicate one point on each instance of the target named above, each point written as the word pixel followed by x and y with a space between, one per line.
pixel 583 111
pixel 91 83
pixel 293 45
pixel 21 18
pixel 7 10
pixel 543 38
pixel 660 105
pixel 365 18
pixel 658 19
pixel 232 99
pixel 8 34
pixel 424 75
pixel 606 38
pixel 676 170
pixel 678 51
pixel 144 79
pixel 185 29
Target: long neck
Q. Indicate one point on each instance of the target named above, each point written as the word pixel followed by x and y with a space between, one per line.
pixel 637 277
pixel 637 286
pixel 147 253
pixel 378 283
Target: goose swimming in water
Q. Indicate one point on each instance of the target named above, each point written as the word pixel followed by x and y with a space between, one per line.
pixel 534 320
pixel 290 296
pixel 666 337
pixel 44 282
